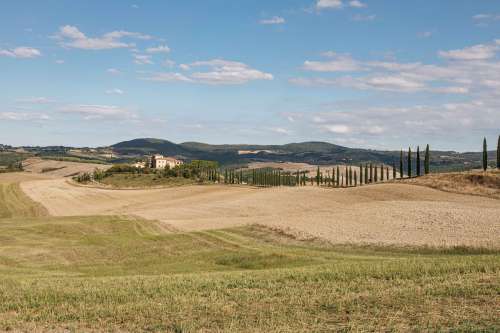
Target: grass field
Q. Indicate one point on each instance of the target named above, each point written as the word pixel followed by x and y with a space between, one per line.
pixel 126 274
pixel 131 180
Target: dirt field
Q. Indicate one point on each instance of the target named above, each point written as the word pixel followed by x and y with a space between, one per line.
pixel 53 168
pixel 397 214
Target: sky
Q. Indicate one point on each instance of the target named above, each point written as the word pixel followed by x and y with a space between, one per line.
pixel 379 74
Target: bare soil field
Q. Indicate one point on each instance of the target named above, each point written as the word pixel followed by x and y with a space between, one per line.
pixel 386 214
pixel 53 168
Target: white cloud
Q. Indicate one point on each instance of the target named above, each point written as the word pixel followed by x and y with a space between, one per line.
pixel 280 130
pixel 71 37
pixel 338 129
pixel 219 71
pixel 143 59
pixel 168 77
pixel 22 52
pixel 23 116
pixel 364 18
pixel 340 63
pixel 472 70
pixel 476 52
pixel 114 91
pixel 59 61
pixel 357 4
pixel 90 112
pixel 184 67
pixel 36 100
pixel 424 34
pixel 158 49
pixel 113 71
pixel 135 6
pixel 273 20
pixel 329 4
pixel 168 63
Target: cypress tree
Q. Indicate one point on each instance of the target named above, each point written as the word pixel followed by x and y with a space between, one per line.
pixel 371 173
pixel 366 173
pixel 485 155
pixel 498 153
pixel 225 176
pixel 360 175
pixel 375 174
pixel 381 173
pixel 393 169
pixel 418 161
pixel 355 178
pixel 401 164
pixel 350 176
pixel 409 162
pixel 338 176
pixel 317 176
pixel 427 160
pixel 387 173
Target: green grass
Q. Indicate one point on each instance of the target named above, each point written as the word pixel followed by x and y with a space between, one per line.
pixel 110 273
pixel 124 180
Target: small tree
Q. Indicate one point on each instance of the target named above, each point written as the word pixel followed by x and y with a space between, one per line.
pixel 401 164
pixel 427 160
pixel 409 162
pixel 485 155
pixel 418 161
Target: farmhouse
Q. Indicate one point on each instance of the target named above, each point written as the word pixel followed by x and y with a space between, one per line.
pixel 158 161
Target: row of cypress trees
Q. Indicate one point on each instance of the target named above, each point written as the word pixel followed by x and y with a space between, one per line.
pixel 485 154
pixel 418 166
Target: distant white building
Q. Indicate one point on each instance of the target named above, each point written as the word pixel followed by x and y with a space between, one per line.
pixel 158 161
pixel 139 165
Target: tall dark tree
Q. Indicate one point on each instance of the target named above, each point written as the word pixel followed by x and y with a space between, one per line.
pixel 317 176
pixel 427 160
pixel 401 164
pixel 498 153
pixel 418 161
pixel 409 162
pixel 360 174
pixel 366 173
pixel 485 155
pixel 393 169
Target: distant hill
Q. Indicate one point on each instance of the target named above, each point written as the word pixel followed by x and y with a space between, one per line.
pixel 308 152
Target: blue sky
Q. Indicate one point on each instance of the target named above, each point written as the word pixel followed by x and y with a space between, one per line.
pixel 372 74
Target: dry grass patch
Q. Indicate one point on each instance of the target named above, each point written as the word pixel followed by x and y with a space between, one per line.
pixel 472 182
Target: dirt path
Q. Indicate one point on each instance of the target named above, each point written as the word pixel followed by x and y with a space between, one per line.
pixel 384 214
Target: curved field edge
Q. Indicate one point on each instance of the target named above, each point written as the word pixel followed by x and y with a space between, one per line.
pixel 113 273
pixel 15 204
